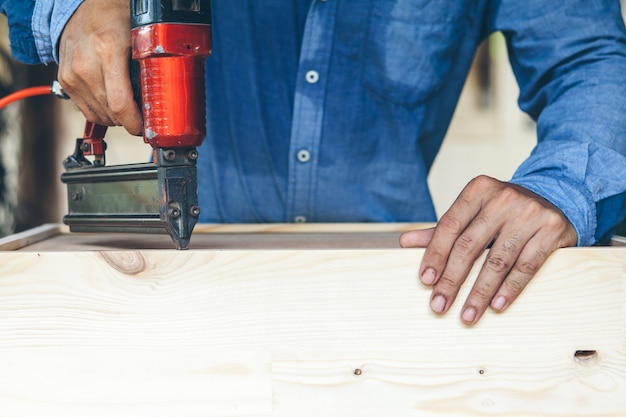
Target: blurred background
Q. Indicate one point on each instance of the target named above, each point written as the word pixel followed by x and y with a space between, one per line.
pixel 488 135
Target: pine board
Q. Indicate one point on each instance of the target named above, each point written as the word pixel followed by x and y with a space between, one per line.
pixel 89 327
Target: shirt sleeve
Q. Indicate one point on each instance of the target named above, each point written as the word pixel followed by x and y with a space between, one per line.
pixel 570 61
pixel 19 14
pixel 49 19
pixel 35 27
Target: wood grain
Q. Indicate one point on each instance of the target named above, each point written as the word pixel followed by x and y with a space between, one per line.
pixel 284 332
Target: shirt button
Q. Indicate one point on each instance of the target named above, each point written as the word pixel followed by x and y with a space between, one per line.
pixel 304 155
pixel 299 219
pixel 312 77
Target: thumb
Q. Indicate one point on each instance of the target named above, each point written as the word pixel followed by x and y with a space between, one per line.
pixel 416 238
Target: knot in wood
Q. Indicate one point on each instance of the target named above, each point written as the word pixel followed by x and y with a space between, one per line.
pixel 129 263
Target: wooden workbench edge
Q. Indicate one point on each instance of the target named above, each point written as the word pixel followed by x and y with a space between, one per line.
pixel 37 234
pixel 46 231
pixel 309 227
pixel 30 236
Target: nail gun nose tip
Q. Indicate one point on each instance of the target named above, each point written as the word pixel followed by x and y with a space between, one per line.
pixel 182 244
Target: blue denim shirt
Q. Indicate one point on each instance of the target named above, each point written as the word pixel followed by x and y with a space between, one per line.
pixel 333 110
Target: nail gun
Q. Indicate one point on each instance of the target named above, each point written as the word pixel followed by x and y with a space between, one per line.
pixel 170 41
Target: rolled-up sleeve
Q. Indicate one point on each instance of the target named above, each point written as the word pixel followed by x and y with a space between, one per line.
pixel 570 61
pixel 49 19
pixel 35 27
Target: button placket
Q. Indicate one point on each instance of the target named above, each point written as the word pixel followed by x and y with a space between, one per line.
pixel 308 112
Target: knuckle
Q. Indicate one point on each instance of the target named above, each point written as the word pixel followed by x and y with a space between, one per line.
pixel 71 82
pixel 80 69
pixel 497 263
pixel 482 292
pixel 533 212
pixel 447 283
pixel 533 209
pixel 530 265
pixel 118 107
pixel 515 286
pixel 507 195
pixel 481 220
pixel 464 244
pixel 554 221
pixel 104 40
pixel 66 78
pixel 510 245
pixel 481 182
pixel 451 223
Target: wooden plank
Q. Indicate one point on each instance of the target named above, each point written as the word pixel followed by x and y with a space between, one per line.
pixel 288 332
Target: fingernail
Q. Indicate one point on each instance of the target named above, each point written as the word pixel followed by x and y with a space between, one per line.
pixel 469 314
pixel 428 276
pixel 499 303
pixel 438 304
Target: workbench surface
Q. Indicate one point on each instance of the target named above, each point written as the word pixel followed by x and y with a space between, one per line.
pixel 244 236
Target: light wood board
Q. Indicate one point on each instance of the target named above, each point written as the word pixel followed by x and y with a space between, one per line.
pixel 297 332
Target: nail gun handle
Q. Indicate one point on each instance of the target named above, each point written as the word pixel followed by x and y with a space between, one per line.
pixel 93 142
pixel 94 131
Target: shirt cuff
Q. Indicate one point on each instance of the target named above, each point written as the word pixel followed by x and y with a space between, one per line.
pixel 49 20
